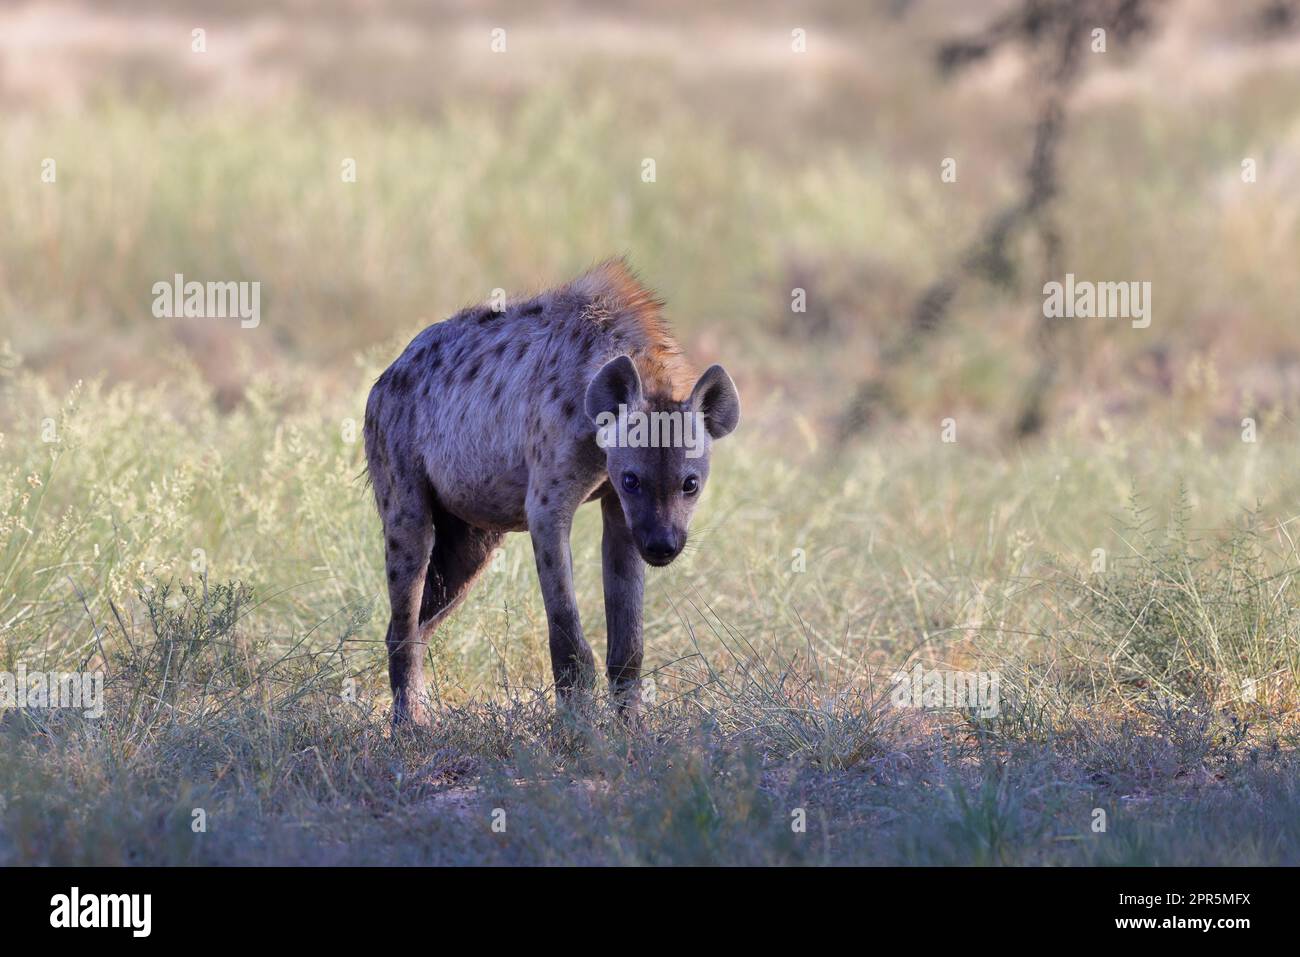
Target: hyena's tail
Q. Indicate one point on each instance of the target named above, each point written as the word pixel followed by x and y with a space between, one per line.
pixel 376 453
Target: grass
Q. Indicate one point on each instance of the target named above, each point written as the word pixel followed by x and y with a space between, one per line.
pixel 181 507
pixel 284 768
pixel 344 266
pixel 222 571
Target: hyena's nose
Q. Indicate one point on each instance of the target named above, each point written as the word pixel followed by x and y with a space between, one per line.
pixel 661 549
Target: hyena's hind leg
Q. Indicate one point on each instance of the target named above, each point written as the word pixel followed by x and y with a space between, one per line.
pixel 460 553
pixel 405 506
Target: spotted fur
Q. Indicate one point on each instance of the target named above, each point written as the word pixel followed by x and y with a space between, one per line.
pixel 483 426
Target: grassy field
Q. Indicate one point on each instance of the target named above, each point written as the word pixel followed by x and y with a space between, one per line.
pixel 182 505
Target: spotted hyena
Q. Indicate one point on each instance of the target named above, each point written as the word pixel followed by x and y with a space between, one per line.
pixel 507 419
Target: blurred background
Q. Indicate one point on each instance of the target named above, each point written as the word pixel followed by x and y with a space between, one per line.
pixel 784 161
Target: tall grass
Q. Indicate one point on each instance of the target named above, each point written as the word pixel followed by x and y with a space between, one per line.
pixel 219 746
pixel 770 646
pixel 482 195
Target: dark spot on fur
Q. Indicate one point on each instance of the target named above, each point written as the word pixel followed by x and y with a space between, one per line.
pixel 546 500
pixel 392 544
pixel 472 372
pixel 547 560
pixel 569 408
pixel 523 347
pixel 392 574
pixel 565 624
pixel 533 310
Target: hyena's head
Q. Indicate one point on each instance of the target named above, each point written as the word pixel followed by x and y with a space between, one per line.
pixel 657 450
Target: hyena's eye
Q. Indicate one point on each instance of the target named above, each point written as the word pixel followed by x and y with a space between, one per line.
pixel 691 485
pixel 630 482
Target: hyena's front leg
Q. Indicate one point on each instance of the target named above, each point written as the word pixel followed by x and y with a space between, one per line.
pixel 624 576
pixel 571 658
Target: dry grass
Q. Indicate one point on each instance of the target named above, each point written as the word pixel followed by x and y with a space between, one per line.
pixel 179 502
pixel 1121 690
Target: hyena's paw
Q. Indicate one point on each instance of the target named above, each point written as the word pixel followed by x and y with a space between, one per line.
pixel 627 706
pixel 411 709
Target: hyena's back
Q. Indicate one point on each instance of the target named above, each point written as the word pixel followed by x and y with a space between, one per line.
pixel 477 404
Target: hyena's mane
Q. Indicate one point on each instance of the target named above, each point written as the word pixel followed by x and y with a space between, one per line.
pixel 617 301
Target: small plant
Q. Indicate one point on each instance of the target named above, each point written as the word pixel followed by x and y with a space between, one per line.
pixel 1181 617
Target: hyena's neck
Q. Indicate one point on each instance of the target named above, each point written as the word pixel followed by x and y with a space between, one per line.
pixel 631 317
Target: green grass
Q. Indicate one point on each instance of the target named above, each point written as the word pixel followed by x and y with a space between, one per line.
pixel 444 211
pixel 1121 689
pixel 284 769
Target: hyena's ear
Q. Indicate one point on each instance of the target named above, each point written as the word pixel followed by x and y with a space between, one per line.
pixel 617 383
pixel 715 397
